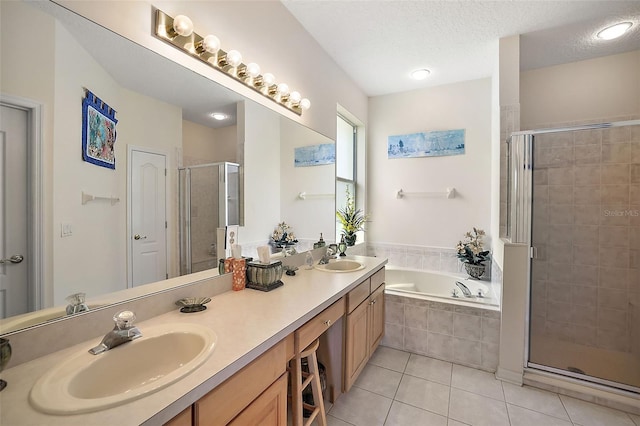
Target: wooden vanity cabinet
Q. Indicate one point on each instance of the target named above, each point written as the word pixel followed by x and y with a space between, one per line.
pixel 256 395
pixel 364 326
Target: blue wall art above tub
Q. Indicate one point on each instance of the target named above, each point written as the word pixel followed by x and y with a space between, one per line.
pixel 315 155
pixel 426 144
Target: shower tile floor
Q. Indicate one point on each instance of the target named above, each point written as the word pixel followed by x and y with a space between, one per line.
pixel 405 389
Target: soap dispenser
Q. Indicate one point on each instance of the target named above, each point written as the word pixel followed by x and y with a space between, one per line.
pixel 342 247
pixel 320 242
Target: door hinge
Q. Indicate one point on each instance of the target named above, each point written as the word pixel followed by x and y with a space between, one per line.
pixel 167 276
pixel 165 225
pixel 165 172
pixel 533 254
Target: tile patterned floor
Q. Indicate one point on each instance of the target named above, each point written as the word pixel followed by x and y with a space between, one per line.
pixel 403 389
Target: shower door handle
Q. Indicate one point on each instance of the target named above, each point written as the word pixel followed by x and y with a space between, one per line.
pixel 139 237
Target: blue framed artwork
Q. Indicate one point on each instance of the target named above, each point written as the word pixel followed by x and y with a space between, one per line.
pixel 426 144
pixel 315 155
pixel 98 131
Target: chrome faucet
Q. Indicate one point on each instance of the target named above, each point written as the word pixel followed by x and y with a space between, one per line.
pixel 328 255
pixel 465 289
pixel 123 332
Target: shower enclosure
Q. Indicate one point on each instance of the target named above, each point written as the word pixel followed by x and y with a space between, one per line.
pixel 574 197
pixel 210 196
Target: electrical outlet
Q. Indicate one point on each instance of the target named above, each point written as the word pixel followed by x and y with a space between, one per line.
pixel 66 230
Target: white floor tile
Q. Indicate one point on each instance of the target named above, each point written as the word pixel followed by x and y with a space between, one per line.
pixel 390 358
pixel 379 380
pixel 535 399
pixel 452 422
pixel 477 410
pixel 333 421
pixel 588 414
pixel 476 381
pixel 407 415
pixel 635 418
pixel 424 394
pixel 523 417
pixel 361 408
pixel 429 369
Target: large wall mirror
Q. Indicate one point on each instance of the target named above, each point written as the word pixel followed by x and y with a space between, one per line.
pixel 93 220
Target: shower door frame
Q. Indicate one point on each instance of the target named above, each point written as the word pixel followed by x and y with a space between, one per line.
pixel 520 163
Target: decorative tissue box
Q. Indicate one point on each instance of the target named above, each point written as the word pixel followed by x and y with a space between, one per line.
pixel 264 276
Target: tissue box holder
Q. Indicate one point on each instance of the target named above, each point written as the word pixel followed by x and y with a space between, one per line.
pixel 264 276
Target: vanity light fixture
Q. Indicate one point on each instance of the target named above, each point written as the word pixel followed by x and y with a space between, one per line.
pixel 420 74
pixel 614 31
pixel 179 33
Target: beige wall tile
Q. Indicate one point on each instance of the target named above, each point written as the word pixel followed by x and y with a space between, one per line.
pixel 559 292
pixel 587 215
pixel 394 312
pixel 588 137
pixel 558 312
pixel 616 135
pixel 614 278
pixel 586 255
pixel 615 174
pixel 440 346
pixel 612 319
pixel 584 315
pixel 467 352
pixel 585 275
pixel 615 194
pixel 467 326
pixel 586 235
pixel 588 154
pixel 587 194
pixel 560 214
pixel 588 175
pixel 618 153
pixel 612 298
pixel 614 236
pixel 585 335
pixel 440 321
pixel 560 176
pixel 615 257
pixel 560 194
pixel 584 296
pixel 415 317
pixel 415 340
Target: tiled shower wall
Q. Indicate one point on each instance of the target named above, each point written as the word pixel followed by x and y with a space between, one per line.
pixel 586 227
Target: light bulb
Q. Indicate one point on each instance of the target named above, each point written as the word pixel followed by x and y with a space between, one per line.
pixel 182 25
pixel 268 79
pixel 234 58
pixel 305 103
pixel 614 31
pixel 420 74
pixel 253 70
pixel 295 97
pixel 211 44
pixel 219 116
pixel 283 89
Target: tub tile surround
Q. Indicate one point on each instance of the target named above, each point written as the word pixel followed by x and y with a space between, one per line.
pixel 405 389
pixel 463 335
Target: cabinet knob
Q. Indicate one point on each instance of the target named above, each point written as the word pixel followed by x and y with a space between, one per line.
pixel 327 323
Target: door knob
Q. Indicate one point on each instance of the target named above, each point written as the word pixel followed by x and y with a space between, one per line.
pixel 139 237
pixel 16 258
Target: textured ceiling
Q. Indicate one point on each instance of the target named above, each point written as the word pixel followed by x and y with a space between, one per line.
pixel 378 43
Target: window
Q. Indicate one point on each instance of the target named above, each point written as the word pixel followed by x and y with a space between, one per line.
pixel 345 165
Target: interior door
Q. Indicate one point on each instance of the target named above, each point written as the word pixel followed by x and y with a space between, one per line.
pixel 148 231
pixel 14 287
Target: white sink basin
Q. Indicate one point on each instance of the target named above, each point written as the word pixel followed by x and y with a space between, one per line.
pixel 86 382
pixel 341 266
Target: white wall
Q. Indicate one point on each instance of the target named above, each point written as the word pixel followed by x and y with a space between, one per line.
pixel 201 144
pixel 599 88
pixel 434 222
pixel 314 215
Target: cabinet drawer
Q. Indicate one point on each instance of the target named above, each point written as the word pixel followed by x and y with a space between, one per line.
pixel 377 280
pixel 227 400
pixel 319 324
pixel 357 296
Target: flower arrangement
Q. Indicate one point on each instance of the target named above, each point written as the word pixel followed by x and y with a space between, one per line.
pixel 283 236
pixel 351 219
pixel 470 251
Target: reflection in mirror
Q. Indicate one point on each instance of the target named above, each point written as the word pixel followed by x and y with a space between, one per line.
pixel 163 109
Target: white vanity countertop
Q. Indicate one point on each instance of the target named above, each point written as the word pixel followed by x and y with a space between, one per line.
pixel 246 322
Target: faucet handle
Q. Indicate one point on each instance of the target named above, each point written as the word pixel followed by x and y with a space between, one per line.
pixel 124 319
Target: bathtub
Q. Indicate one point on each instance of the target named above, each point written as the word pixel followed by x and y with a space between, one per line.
pixel 439 286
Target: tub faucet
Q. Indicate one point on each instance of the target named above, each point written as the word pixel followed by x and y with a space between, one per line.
pixel 464 288
pixel 123 332
pixel 328 254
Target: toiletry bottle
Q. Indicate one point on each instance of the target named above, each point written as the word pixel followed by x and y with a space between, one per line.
pixel 308 260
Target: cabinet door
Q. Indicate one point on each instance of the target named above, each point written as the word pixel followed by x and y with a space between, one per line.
pixel 376 318
pixel 356 344
pixel 182 419
pixel 269 409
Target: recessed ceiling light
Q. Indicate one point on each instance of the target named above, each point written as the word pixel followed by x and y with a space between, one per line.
pixel 420 74
pixel 614 31
pixel 219 116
